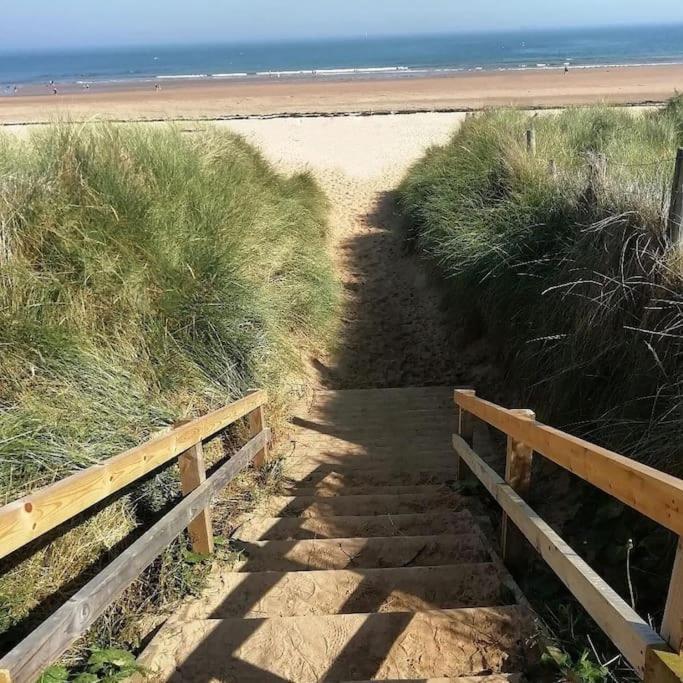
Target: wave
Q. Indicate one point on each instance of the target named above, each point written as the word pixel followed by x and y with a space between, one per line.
pixel 399 70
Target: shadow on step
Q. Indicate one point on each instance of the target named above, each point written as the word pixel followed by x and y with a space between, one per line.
pixel 357 642
pixel 395 331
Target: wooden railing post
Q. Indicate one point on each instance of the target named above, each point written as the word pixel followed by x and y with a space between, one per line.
pixel 675 222
pixel 531 141
pixel 257 423
pixel 466 431
pixel 552 169
pixel 518 475
pixel 192 474
pixel 672 624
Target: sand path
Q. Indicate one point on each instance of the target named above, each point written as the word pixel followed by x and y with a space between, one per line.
pixel 393 331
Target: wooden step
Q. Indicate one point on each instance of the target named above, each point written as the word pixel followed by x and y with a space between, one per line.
pixel 498 678
pixel 297 594
pixel 286 528
pixel 324 491
pixel 375 458
pixel 369 504
pixel 311 473
pixel 351 553
pixel 346 647
pixel 331 479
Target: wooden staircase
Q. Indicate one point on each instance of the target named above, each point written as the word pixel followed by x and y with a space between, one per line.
pixel 372 567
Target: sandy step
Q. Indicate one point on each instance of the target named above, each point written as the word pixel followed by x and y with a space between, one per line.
pixel 333 480
pixel 417 434
pixel 499 678
pixel 375 504
pixel 374 457
pixel 394 448
pixel 323 491
pixel 357 553
pixel 356 526
pixel 358 591
pixel 347 647
pixel 418 472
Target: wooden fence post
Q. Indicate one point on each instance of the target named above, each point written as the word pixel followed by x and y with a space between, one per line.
pixel 675 222
pixel 597 173
pixel 257 423
pixel 466 431
pixel 672 624
pixel 518 475
pixel 192 474
pixel 531 141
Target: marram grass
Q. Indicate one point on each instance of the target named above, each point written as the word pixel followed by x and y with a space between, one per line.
pixel 146 275
pixel 569 272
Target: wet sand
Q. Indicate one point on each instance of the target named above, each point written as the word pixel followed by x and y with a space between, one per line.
pixel 207 99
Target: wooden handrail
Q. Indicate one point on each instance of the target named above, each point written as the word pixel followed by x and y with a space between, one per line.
pixel 629 632
pixel 43 646
pixel 30 517
pixel 54 504
pixel 653 493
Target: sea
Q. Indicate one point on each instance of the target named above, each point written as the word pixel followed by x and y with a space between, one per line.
pixel 400 56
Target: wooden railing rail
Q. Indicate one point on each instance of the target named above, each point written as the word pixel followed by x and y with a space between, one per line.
pixel 28 518
pixel 655 657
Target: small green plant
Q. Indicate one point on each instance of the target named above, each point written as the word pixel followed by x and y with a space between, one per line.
pixel 109 664
pixel 105 665
pixel 54 674
pixel 581 670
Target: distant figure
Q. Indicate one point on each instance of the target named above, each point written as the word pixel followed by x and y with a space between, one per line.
pixel 157 87
pixel 566 69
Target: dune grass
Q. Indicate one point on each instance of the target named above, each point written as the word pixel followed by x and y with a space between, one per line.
pixel 570 276
pixel 146 275
pixel 570 273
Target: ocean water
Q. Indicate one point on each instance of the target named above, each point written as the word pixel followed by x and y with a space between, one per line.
pixel 400 56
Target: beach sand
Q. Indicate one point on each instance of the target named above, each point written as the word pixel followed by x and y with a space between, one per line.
pixel 207 99
pixel 394 330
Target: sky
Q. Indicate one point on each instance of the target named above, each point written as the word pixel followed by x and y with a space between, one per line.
pixel 50 24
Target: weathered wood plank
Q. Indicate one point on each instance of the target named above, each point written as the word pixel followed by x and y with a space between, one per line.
pixel 672 624
pixel 518 463
pixel 623 626
pixel 655 494
pixel 663 667
pixel 257 423
pixel 675 222
pixel 192 475
pixel 44 645
pixel 30 517
pixel 466 431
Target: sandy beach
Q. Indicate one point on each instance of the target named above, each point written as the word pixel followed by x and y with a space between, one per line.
pixel 214 99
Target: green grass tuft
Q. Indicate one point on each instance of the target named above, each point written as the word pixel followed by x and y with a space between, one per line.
pixel 146 275
pixel 570 274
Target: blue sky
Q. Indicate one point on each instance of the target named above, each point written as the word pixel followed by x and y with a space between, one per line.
pixel 31 24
